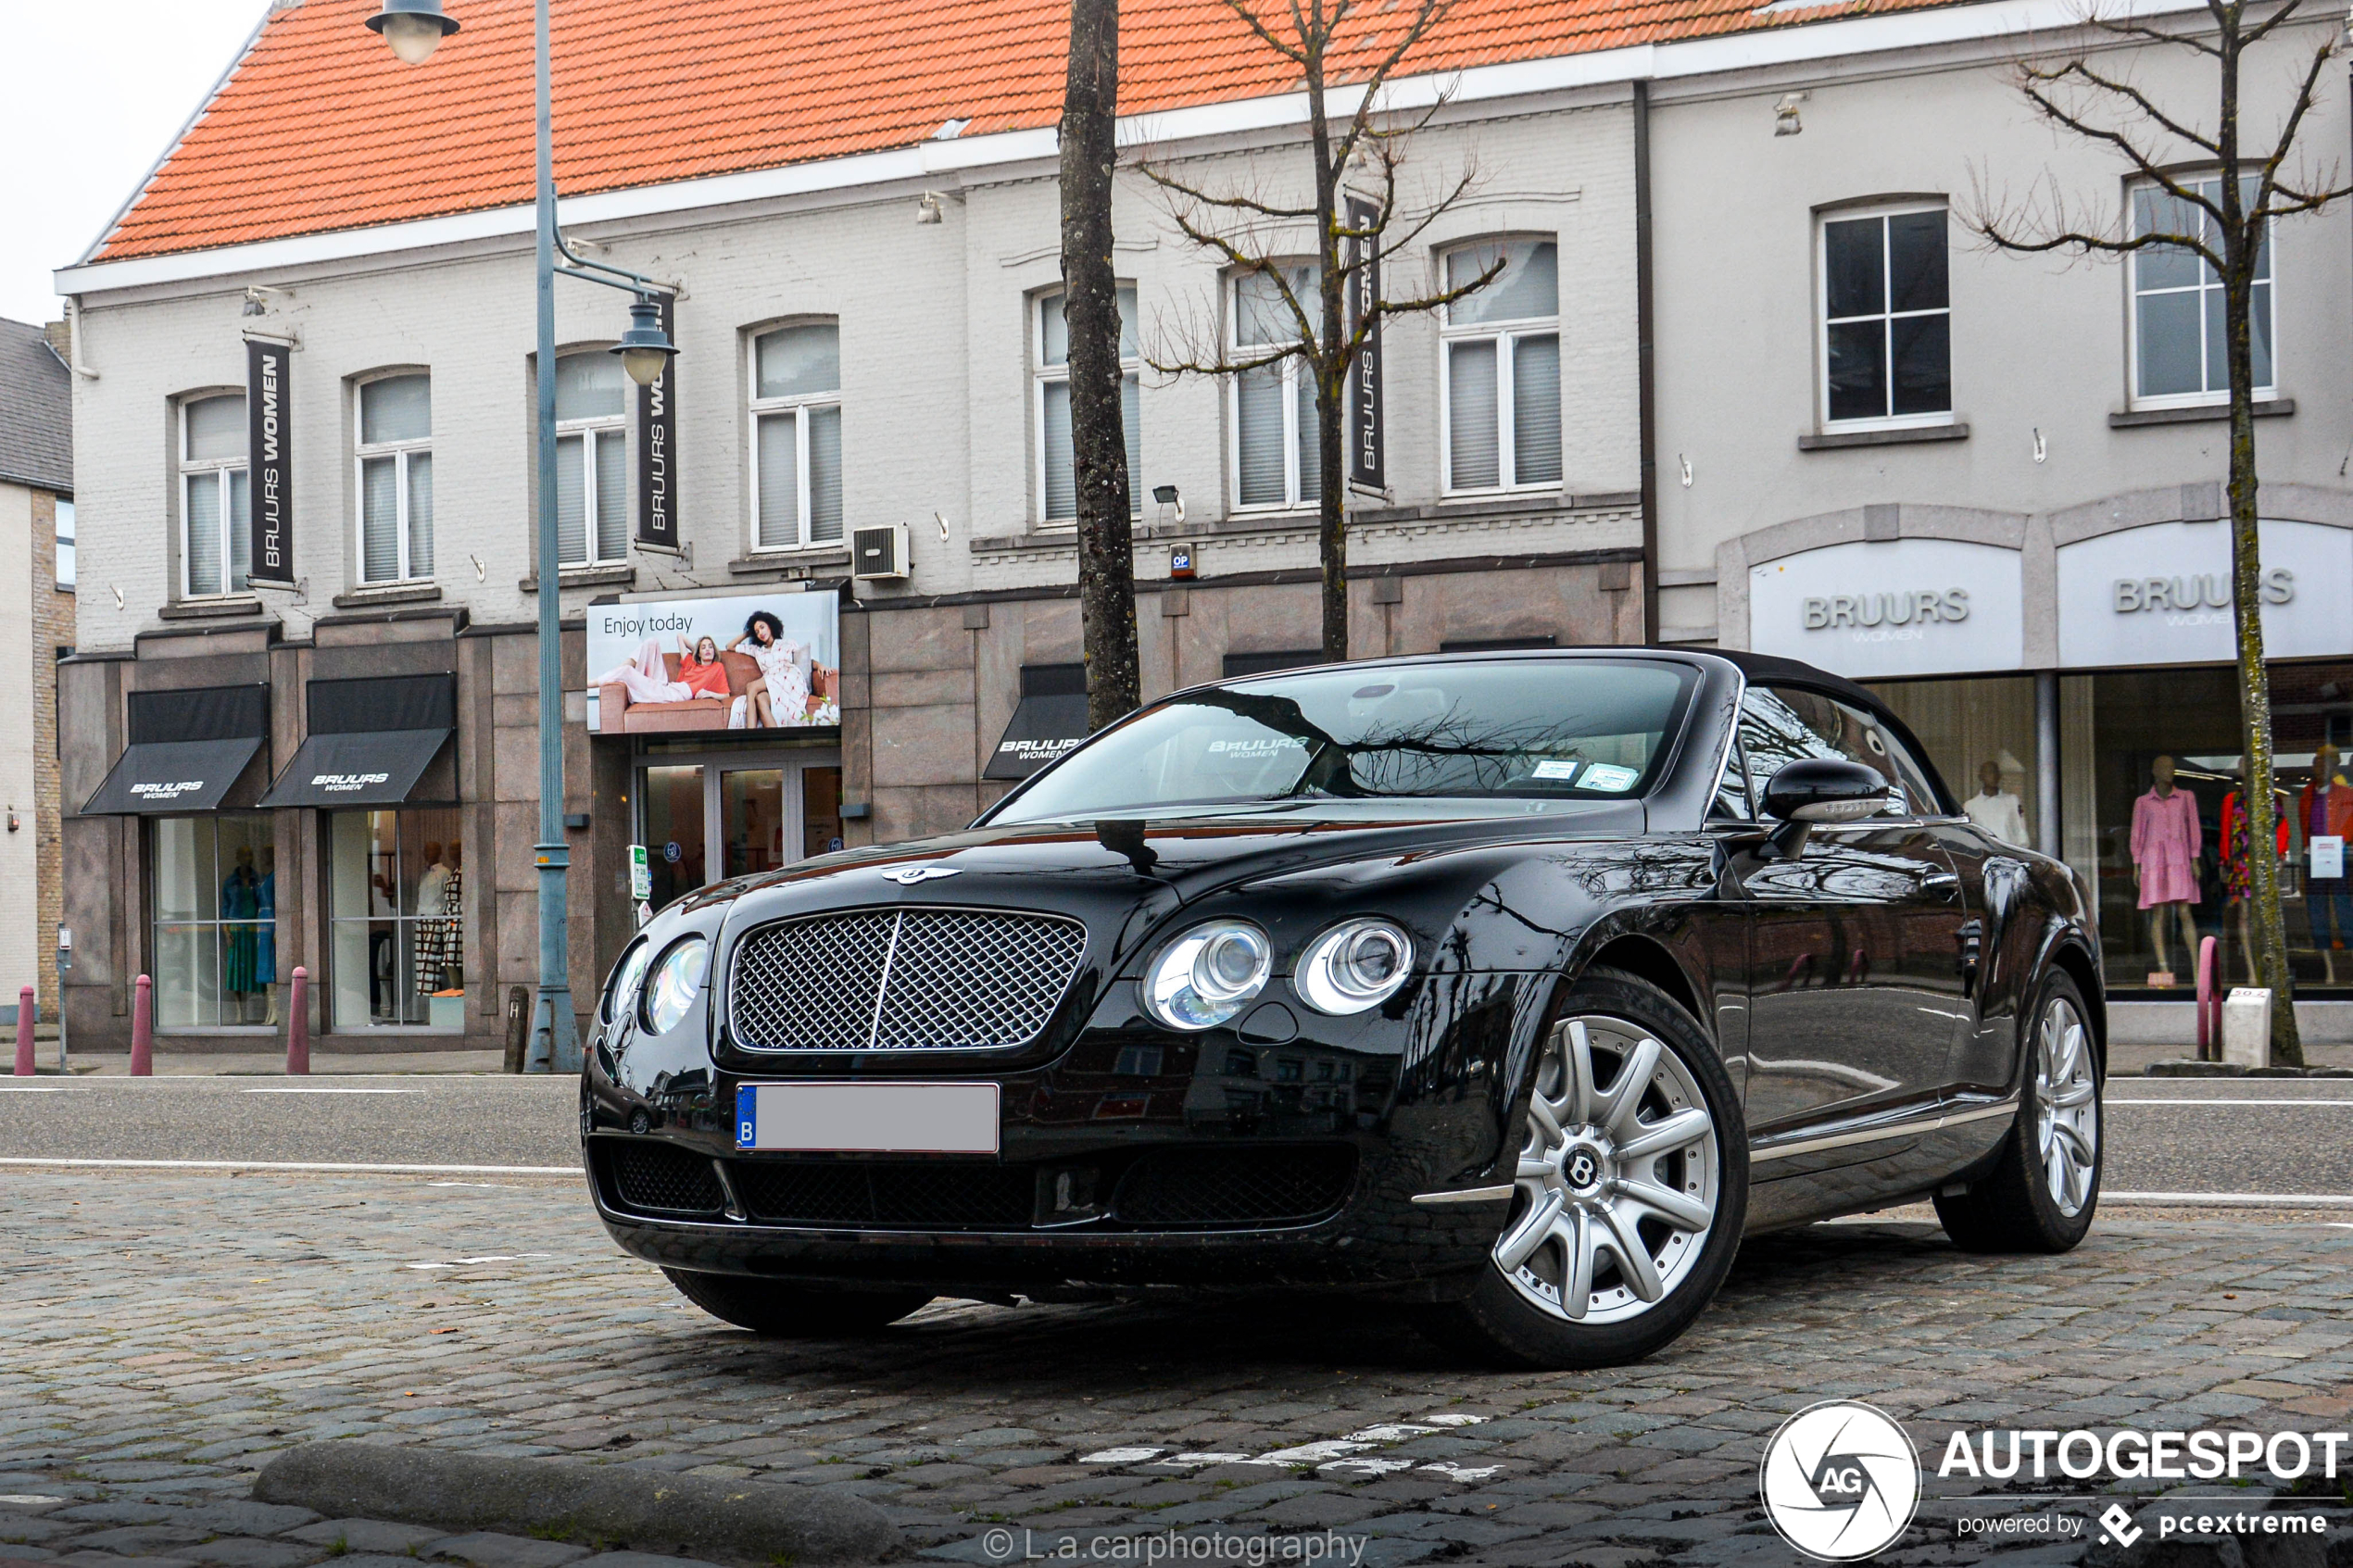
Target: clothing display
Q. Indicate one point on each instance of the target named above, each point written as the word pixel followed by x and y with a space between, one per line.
pixel 2000 814
pixel 2165 839
pixel 2238 873
pixel 240 902
pixel 441 935
pixel 265 959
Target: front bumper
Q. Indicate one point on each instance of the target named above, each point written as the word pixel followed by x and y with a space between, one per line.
pixel 1134 1156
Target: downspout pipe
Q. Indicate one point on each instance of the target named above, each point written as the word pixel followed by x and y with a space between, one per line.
pixel 1646 377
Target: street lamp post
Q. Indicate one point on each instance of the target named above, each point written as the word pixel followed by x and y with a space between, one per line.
pixel 414 28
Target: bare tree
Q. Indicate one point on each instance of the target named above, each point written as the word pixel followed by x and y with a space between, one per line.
pixel 1333 301
pixel 1090 307
pixel 2221 222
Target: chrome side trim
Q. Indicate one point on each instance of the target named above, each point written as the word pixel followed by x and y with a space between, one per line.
pixel 1467 1195
pixel 1883 1133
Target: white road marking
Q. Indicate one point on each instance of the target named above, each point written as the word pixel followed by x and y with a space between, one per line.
pixel 322 1089
pixel 1118 1456
pixel 1339 1455
pixel 9 1087
pixel 491 1257
pixel 2228 1102
pixel 2259 1199
pixel 296 1166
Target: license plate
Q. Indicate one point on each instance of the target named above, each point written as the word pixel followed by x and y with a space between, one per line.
pixel 867 1118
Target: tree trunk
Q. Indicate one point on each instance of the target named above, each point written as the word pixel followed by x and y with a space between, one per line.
pixel 1330 362
pixel 1091 306
pixel 2240 241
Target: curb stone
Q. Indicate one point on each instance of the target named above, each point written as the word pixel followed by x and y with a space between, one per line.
pixel 682 1515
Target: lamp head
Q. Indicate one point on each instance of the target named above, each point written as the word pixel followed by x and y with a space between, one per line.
pixel 645 349
pixel 414 28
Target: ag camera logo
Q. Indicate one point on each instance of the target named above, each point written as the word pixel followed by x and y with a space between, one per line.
pixel 1839 1480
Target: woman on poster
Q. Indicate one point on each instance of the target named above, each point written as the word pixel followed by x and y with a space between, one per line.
pixel 783 686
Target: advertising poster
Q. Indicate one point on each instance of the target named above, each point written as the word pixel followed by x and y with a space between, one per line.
pixel 749 661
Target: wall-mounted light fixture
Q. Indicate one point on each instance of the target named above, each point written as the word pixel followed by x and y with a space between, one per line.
pixel 1168 496
pixel 931 208
pixel 1785 120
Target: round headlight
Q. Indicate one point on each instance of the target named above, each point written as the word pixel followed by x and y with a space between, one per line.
pixel 1205 976
pixel 1356 965
pixel 627 975
pixel 671 988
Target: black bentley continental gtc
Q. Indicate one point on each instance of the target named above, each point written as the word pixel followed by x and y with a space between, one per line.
pixel 1516 988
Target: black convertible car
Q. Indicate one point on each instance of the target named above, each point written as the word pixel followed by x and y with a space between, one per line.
pixel 1514 987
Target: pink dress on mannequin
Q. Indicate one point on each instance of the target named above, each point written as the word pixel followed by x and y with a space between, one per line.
pixel 2165 846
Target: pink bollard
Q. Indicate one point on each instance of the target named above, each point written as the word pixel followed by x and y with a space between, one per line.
pixel 2209 1000
pixel 25 1007
pixel 298 1023
pixel 143 1029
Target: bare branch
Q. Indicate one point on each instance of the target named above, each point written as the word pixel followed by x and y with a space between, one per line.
pixel 2139 100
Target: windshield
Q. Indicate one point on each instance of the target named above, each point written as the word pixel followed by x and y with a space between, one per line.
pixel 1533 730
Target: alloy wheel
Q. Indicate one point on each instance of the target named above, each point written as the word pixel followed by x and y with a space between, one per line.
pixel 1617 1176
pixel 2066 1107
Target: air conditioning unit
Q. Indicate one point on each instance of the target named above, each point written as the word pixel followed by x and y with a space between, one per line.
pixel 879 554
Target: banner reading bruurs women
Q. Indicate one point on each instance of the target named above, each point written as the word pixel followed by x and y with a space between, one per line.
pixel 270 445
pixel 747 661
pixel 657 452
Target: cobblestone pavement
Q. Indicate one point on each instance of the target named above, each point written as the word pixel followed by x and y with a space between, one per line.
pixel 161 1335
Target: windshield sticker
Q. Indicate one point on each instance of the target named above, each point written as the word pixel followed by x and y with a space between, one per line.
pixel 1609 776
pixel 1555 770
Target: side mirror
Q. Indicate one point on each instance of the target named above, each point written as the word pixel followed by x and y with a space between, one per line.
pixel 1821 790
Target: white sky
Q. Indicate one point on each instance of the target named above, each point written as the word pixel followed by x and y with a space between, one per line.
pixel 97 90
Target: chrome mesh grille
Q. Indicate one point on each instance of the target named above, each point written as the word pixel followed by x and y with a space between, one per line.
pixel 902 979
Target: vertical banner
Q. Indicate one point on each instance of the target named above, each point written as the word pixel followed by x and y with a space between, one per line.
pixel 1368 470
pixel 269 452
pixel 658 451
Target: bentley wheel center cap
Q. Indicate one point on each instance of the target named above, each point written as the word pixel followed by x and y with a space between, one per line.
pixel 1583 1168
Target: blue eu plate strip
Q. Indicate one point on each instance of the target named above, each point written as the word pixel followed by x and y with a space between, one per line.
pixel 747 1116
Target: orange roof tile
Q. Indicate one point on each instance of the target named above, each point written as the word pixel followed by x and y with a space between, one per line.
pixel 319 127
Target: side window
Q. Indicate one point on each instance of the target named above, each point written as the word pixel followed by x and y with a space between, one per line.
pixel 1731 794
pixel 1785 724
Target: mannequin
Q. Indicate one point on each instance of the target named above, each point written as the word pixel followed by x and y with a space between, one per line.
pixel 431 893
pixel 240 903
pixel 2238 870
pixel 2165 846
pixel 2324 810
pixel 265 964
pixel 1994 810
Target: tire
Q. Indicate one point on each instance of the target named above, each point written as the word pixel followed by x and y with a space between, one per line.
pixel 778 1310
pixel 1575 1194
pixel 2046 1183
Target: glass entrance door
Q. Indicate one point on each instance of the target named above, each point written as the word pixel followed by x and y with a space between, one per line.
pixel 674 833
pixel 752 820
pixel 704 823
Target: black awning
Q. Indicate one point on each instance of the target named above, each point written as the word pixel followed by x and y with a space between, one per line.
pixel 1050 721
pixel 172 775
pixel 187 749
pixel 372 740
pixel 367 768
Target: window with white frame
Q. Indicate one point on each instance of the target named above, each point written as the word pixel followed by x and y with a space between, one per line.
pixel 796 447
pixel 1887 320
pixel 216 537
pixel 1277 456
pixel 1057 460
pixel 65 543
pixel 592 461
pixel 395 457
pixel 2180 355
pixel 1502 389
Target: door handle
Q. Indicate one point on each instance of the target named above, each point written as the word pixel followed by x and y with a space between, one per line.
pixel 1941 881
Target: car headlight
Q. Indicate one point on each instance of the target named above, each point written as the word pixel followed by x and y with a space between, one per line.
pixel 1356 965
pixel 627 976
pixel 1208 974
pixel 671 988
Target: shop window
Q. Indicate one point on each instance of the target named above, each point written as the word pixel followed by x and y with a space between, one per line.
pixel 216 532
pixel 213 888
pixel 1502 389
pixel 1057 472
pixel 2179 351
pixel 1887 320
pixel 397 910
pixel 1277 455
pixel 674 832
pixel 796 457
pixel 1979 731
pixel 592 461
pixel 395 457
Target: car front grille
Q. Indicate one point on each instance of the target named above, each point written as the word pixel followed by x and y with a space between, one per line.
pixel 1233 1186
pixel 902 979
pixel 663 1179
pixel 886 1195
